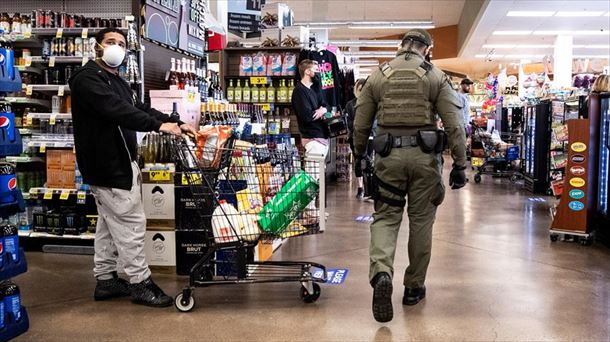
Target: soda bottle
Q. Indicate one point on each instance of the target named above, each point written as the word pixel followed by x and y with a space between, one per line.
pixel 12 301
pixel 2 311
pixel 11 241
pixel 2 253
pixel 8 182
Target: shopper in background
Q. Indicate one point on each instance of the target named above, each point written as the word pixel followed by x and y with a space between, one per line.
pixel 464 91
pixel 350 110
pixel 601 84
pixel 404 97
pixel 106 115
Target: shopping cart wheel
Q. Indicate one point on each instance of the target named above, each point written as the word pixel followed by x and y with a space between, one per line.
pixel 184 303
pixel 554 237
pixel 477 178
pixel 310 297
pixel 514 178
pixel 585 241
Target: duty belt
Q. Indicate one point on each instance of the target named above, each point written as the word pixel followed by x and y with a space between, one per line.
pixel 405 141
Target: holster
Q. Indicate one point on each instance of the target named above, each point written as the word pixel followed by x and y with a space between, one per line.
pixel 432 141
pixel 382 144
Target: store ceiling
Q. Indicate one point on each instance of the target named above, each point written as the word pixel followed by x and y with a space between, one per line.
pixel 441 12
pixel 494 18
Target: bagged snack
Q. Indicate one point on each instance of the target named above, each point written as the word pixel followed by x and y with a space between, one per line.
pixel 249 202
pixel 263 172
pixel 210 142
pixel 245 65
pixel 276 64
pixel 289 67
pixel 259 64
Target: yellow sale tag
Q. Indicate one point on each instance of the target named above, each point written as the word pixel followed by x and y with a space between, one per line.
pixel 85 33
pixel 85 60
pixel 81 196
pixel 48 195
pixel 60 91
pixel 160 176
pixel 28 90
pixel 43 148
pixel 52 119
pixel 28 120
pixel 28 61
pixel 258 80
pixel 266 107
pixel 195 179
pixel 27 34
pixel 65 194
pixel 60 33
pixel 52 61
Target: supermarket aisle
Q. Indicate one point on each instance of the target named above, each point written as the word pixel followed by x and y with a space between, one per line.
pixel 494 275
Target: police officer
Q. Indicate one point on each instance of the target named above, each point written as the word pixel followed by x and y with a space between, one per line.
pixel 405 96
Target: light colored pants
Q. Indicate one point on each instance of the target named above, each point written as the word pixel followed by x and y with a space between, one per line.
pixel 121 229
pixel 314 150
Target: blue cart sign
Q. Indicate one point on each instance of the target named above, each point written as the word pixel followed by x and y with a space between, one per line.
pixel 577 194
pixel 576 205
pixel 334 276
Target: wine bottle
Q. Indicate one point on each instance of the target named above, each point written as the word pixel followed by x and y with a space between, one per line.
pixel 230 91
pixel 271 93
pixel 238 92
pixel 255 93
pixel 246 93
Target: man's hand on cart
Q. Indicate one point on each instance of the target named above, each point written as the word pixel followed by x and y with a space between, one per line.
pixel 170 128
pixel 457 177
pixel 189 130
pixel 319 113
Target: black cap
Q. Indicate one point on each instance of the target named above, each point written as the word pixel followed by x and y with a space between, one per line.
pixel 419 35
pixel 466 81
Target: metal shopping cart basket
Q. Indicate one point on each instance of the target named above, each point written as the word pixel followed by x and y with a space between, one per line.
pixel 247 194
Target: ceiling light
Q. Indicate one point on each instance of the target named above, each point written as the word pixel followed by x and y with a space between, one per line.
pixel 371 54
pixel 524 56
pixel 424 24
pixel 597 47
pixel 607 14
pixel 488 56
pixel 511 33
pixel 572 33
pixel 366 63
pixel 592 56
pixel 529 14
pixel 391 27
pixel 498 46
pixel 366 43
pixel 535 46
pixel 578 14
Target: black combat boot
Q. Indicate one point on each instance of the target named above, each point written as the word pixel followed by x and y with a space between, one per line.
pixel 148 293
pixel 414 295
pixel 382 297
pixel 111 288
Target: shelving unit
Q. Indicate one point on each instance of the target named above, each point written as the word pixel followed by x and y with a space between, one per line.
pixel 28 101
pixel 50 115
pixel 49 88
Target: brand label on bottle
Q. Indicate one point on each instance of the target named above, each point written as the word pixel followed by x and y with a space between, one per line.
pixel 577 194
pixel 13 305
pixel 577 182
pixel 2 315
pixel 576 205
pixel 579 147
pixel 11 244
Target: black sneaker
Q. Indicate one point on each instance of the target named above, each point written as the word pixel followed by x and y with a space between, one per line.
pixel 382 298
pixel 413 296
pixel 148 293
pixel 360 195
pixel 111 288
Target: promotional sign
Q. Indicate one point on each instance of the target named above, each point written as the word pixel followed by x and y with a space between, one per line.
pixel 578 158
pixel 577 194
pixel 245 15
pixel 579 147
pixel 577 182
pixel 576 205
pixel 333 276
pixel 180 24
pixel 577 170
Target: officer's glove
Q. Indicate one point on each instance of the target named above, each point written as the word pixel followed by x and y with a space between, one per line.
pixel 457 177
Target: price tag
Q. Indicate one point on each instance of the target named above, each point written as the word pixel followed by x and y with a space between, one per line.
pixel 258 80
pixel 157 176
pixel 60 90
pixel 266 107
pixel 85 60
pixel 48 195
pixel 52 119
pixel 28 120
pixel 27 34
pixel 28 61
pixel 65 194
pixel 23 85
pixel 59 33
pixel 84 33
pixel 28 90
pixel 195 179
pixel 52 61
pixel 81 197
pixel 43 148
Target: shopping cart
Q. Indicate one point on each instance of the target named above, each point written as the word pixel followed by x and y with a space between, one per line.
pixel 499 157
pixel 248 194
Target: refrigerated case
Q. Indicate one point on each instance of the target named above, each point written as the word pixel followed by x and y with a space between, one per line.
pixel 537 137
pixel 603 210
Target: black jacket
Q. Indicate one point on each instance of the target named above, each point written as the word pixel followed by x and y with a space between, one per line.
pixel 106 115
pixel 305 101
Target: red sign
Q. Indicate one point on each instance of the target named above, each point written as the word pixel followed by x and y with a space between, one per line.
pixel 577 170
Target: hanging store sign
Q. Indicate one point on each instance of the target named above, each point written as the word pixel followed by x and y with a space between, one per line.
pixel 245 15
pixel 177 23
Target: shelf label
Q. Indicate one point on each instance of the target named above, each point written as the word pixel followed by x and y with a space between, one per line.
pixel 81 197
pixel 28 120
pixel 258 80
pixel 52 119
pixel 48 195
pixel 51 61
pixel 43 148
pixel 27 34
pixel 28 90
pixel 59 33
pixel 84 33
pixel 85 60
pixel 160 176
pixel 60 90
pixel 28 61
pixel 65 194
pixel 266 107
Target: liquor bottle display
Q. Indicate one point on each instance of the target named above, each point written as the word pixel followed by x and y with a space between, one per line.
pixel 230 92
pixel 246 93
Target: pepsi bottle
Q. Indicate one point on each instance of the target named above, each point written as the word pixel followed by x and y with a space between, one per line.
pixel 2 311
pixel 7 123
pixel 8 182
pixel 2 253
pixel 11 242
pixel 12 301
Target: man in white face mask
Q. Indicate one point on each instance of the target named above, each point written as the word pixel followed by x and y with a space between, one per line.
pixel 106 115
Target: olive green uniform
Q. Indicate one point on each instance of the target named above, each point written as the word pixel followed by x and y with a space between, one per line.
pixel 408 169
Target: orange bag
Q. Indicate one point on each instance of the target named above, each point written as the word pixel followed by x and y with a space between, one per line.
pixel 210 143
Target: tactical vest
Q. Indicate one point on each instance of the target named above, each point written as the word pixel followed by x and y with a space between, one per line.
pixel 405 102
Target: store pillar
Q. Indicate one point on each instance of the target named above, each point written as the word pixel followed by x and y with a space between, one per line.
pixel 562 55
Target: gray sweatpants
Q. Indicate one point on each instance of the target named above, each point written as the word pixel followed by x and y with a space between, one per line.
pixel 120 232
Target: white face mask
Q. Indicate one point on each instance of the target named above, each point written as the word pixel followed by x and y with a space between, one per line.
pixel 113 55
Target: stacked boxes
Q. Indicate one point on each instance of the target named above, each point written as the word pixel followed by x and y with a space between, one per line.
pixel 61 166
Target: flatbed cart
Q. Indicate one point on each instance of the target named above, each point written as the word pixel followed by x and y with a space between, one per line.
pixel 585 239
pixel 247 175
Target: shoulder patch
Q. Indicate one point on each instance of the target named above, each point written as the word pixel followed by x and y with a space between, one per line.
pixel 427 65
pixel 386 69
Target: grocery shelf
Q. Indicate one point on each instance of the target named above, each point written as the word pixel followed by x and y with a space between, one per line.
pixel 24 159
pixel 262 48
pixel 85 236
pixel 41 191
pixel 28 101
pixel 25 131
pixel 23 68
pixel 73 31
pixel 52 143
pixel 49 87
pixel 58 59
pixel 59 116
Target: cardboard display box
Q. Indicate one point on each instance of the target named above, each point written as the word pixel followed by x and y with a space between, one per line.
pixel 189 209
pixel 159 203
pixel 61 165
pixel 191 246
pixel 160 248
